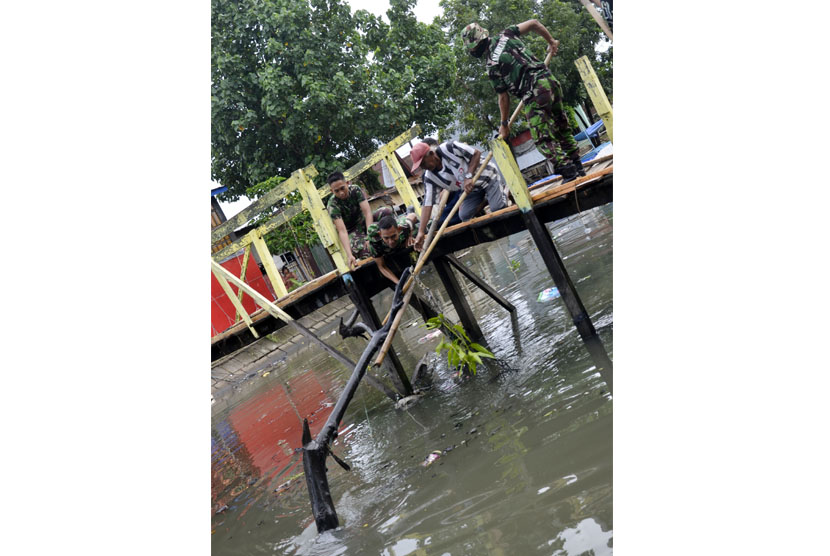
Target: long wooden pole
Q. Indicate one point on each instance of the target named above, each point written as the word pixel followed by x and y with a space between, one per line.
pixel 431 244
pixel 407 286
pixel 598 18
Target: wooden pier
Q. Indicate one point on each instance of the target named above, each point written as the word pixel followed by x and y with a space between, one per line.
pixel 550 202
pixel 530 208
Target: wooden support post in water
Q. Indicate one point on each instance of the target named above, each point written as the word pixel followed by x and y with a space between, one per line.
pixel 547 249
pixel 484 286
pixel 370 317
pixel 465 313
pixel 570 297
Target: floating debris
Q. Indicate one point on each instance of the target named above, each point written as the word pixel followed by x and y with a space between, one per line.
pixel 404 403
pixel 548 294
pixel 430 336
pixel 434 455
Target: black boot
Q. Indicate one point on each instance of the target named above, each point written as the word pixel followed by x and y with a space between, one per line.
pixel 568 172
pixel 580 171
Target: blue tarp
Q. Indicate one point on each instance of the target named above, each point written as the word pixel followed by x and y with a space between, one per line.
pixel 590 155
pixel 590 132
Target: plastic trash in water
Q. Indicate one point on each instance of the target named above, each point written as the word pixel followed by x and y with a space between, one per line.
pixel 430 336
pixel 434 455
pixel 548 294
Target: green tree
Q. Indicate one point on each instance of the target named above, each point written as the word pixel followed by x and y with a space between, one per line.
pixel 567 21
pixel 298 82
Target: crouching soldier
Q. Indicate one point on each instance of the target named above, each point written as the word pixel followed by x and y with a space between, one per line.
pixel 391 235
pixel 452 166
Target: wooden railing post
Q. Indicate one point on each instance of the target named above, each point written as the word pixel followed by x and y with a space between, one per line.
pixel 401 183
pixel 268 263
pixel 597 94
pixel 321 219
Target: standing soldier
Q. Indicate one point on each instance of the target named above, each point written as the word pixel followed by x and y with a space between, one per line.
pixel 512 68
pixel 352 216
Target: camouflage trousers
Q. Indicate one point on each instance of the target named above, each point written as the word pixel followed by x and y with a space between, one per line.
pixel 358 240
pixel 548 122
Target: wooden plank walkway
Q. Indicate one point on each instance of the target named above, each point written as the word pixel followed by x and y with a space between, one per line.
pixel 551 201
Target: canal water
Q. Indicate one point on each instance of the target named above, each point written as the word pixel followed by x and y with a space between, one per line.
pixel 525 446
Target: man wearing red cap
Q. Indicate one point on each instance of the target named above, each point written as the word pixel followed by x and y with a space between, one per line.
pixel 451 166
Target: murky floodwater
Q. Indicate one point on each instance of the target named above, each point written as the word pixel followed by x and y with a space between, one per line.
pixel 526 464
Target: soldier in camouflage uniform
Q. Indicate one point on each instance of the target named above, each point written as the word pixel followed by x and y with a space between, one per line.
pixel 352 216
pixel 513 69
pixel 390 235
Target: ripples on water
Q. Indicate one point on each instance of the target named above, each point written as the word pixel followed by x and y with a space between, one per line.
pixel 526 465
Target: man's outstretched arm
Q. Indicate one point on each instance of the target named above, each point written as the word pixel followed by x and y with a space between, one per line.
pixel 539 29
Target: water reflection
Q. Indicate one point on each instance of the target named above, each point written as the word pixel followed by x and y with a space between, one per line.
pixel 526 455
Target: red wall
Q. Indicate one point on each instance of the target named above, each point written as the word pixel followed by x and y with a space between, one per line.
pixel 222 310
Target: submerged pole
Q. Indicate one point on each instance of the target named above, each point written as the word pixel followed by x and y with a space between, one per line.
pixel 557 270
pixel 478 281
pixel 465 313
pixel 315 451
pixel 370 317
pixel 553 262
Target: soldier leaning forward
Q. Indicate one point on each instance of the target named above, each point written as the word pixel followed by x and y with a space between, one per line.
pixel 352 216
pixel 513 69
pixel 391 235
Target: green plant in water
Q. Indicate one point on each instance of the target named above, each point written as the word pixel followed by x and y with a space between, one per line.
pixel 514 265
pixel 462 353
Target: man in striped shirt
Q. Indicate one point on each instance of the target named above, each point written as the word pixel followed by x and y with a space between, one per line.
pixel 451 166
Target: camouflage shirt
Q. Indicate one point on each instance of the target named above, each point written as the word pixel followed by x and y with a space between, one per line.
pixel 376 245
pixel 510 66
pixel 349 209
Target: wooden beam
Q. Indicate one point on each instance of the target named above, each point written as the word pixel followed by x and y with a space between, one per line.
pixel 242 277
pixel 478 281
pixel 512 175
pixel 261 204
pixel 379 154
pixel 272 224
pixel 401 183
pixel 278 313
pixel 598 18
pixel 321 219
pixel 268 263
pixel 597 94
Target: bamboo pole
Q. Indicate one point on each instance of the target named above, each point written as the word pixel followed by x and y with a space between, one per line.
pixel 408 292
pixel 428 248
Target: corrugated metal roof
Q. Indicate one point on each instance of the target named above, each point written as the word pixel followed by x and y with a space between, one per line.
pixel 529 159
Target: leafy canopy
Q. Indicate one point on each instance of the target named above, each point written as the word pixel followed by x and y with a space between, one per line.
pixel 298 82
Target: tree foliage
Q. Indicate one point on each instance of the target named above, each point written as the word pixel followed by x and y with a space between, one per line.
pixel 298 82
pixel 567 20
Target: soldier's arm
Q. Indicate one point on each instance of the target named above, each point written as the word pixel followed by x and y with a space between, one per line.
pixel 367 213
pixel 539 29
pixel 344 239
pixel 385 270
pixel 504 109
